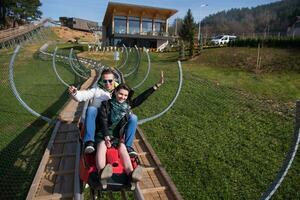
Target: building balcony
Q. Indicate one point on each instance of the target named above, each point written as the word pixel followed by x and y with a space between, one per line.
pixel 146 35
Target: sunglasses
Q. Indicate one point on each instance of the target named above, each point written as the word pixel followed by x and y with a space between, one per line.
pixel 107 81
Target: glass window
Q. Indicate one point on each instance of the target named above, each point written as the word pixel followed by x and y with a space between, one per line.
pixel 159 26
pixel 134 25
pixel 146 25
pixel 120 24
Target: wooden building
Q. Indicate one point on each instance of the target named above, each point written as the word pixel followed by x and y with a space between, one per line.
pixel 139 25
pixel 77 23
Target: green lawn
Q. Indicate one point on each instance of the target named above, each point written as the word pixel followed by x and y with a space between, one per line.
pixel 230 129
pixel 225 138
pixel 23 137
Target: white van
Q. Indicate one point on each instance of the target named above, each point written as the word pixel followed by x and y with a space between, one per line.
pixel 223 39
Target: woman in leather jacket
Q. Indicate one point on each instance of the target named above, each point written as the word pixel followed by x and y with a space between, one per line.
pixel 112 120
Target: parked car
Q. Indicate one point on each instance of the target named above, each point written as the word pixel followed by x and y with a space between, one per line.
pixel 223 39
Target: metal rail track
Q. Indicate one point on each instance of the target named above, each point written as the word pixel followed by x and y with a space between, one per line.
pixel 58 174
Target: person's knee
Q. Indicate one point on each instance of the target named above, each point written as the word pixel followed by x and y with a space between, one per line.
pixel 91 111
pixel 133 118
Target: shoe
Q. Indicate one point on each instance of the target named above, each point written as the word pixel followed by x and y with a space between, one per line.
pixel 131 152
pixel 89 147
pixel 136 176
pixel 105 174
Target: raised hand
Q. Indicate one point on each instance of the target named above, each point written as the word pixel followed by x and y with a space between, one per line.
pixel 72 90
pixel 162 79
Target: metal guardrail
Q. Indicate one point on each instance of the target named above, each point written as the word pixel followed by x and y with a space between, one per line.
pixel 288 160
pixel 14 89
pixel 137 63
pixel 126 57
pixel 148 70
pixel 172 102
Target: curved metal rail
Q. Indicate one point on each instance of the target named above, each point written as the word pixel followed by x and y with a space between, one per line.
pixel 148 71
pixel 288 160
pixel 54 68
pixel 126 57
pixel 71 64
pixel 14 89
pixel 173 101
pixel 137 64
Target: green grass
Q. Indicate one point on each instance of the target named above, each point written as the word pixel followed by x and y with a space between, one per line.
pixel 225 138
pixel 229 131
pixel 23 137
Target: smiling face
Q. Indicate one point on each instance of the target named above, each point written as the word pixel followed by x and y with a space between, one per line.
pixel 121 95
pixel 108 81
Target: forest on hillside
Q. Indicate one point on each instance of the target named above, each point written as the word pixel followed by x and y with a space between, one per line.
pixel 269 19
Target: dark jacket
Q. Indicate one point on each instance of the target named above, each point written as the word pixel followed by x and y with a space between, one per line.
pixel 104 122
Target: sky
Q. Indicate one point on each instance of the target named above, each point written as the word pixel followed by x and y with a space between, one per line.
pixel 95 9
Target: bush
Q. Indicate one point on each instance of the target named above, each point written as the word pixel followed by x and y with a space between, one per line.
pixel 287 42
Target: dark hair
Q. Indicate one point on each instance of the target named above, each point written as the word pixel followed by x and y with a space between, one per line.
pixel 125 87
pixel 122 86
pixel 107 71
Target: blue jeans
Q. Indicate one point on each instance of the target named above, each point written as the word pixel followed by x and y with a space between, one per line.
pixel 130 130
pixel 90 126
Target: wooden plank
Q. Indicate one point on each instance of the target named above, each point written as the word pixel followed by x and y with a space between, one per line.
pixel 62 155
pixel 34 186
pixel 170 184
pixel 55 196
pixel 155 189
pixel 65 141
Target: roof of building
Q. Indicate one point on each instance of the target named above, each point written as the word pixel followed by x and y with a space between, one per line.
pixel 136 10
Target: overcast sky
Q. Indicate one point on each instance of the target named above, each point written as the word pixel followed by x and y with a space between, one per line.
pixel 95 9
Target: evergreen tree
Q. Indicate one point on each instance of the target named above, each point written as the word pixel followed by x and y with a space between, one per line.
pixel 273 18
pixel 14 12
pixel 187 31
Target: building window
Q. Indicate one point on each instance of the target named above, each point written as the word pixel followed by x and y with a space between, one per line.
pixel 134 25
pixel 146 26
pixel 117 42
pixel 159 26
pixel 120 24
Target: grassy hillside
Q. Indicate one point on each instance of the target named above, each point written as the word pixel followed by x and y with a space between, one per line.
pixel 23 137
pixel 230 129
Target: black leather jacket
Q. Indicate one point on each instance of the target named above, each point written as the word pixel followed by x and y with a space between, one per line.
pixel 103 119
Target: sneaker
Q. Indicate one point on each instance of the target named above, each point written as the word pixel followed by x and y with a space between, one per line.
pixel 89 147
pixel 136 176
pixel 105 174
pixel 131 152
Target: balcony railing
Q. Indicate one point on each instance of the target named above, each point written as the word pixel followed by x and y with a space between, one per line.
pixel 151 33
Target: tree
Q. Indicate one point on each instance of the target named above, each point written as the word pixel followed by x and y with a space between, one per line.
pixel 14 12
pixel 187 31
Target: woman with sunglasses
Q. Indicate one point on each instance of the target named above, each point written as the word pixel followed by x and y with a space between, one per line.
pixel 113 118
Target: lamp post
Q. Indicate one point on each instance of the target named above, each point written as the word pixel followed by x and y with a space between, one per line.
pixel 199 30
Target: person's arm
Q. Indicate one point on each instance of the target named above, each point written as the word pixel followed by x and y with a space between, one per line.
pixel 82 95
pixel 142 97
